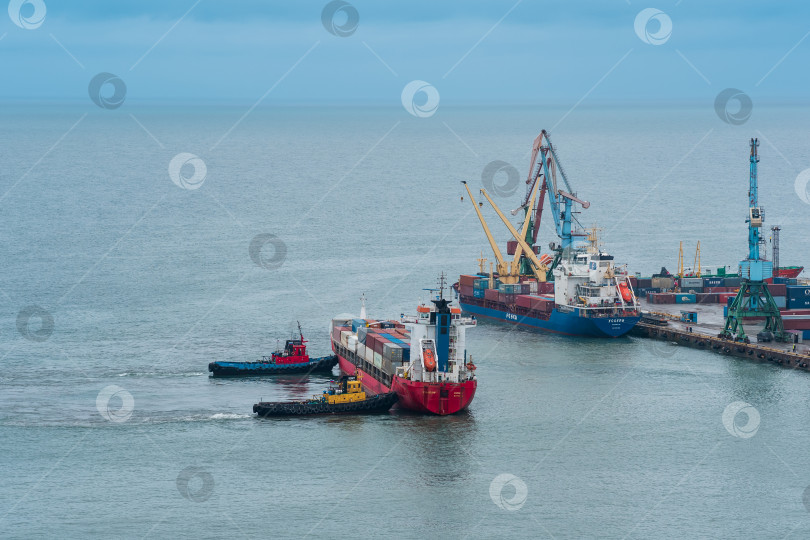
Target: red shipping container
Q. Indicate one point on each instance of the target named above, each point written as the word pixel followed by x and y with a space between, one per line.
pixel 466 290
pixel 491 294
pixel 511 247
pixel 779 289
pixel 506 298
pixel 546 287
pixel 634 282
pixel 467 280
pixel 796 324
pixel 379 344
pixel 524 301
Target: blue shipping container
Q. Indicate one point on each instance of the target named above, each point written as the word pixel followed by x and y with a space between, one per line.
pixel 684 298
pixel 781 301
pixel 478 293
pixel 806 335
pixel 725 311
pixel 798 303
pixel 732 282
pixel 713 282
pixel 798 291
pixel 358 323
pixel 780 281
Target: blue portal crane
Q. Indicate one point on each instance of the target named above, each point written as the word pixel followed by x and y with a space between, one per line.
pixel 754 299
pixel 543 167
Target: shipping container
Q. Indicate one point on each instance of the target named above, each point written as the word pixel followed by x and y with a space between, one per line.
pixel 663 282
pixel 694 290
pixel 377 360
pixel 781 301
pixel 713 282
pixel 392 352
pixel 780 280
pixel 547 287
pixel 777 289
pixel 692 282
pixel 634 282
pixel 798 291
pixel 491 294
pixel 371 340
pixel 478 293
pixel 481 283
pixel 682 298
pixel 467 280
pixel 796 324
pixel 358 323
pixel 732 282
pixel 645 283
pixel 797 303
pixel 466 290
pixel 352 343
pixel 506 298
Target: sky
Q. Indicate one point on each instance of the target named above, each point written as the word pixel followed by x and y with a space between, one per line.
pixel 473 52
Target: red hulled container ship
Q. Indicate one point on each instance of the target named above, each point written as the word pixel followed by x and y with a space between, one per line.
pixel 423 358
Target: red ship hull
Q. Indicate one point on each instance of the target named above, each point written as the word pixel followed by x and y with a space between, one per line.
pixel 789 272
pixel 433 398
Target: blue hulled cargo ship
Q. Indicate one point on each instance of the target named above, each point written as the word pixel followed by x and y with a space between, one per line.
pixel 575 290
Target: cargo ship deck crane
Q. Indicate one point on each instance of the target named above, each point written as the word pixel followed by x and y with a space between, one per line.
pixel 754 299
pixel 508 272
pixel 502 267
pixel 540 269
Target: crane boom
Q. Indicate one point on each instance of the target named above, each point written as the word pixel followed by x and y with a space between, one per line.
pixel 502 266
pixel 525 227
pixel 540 269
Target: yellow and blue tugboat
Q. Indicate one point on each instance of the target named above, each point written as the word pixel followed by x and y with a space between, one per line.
pixel 344 397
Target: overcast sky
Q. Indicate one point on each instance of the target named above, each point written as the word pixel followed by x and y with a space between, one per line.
pixel 472 51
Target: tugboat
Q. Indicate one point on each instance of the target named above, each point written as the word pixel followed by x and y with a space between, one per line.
pixel 344 397
pixel 293 358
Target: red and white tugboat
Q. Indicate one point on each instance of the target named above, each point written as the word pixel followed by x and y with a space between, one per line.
pixel 423 358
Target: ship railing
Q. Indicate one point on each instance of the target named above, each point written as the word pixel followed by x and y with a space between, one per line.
pixel 409 319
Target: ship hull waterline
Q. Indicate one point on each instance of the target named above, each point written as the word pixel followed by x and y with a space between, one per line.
pixel 561 323
pixel 417 396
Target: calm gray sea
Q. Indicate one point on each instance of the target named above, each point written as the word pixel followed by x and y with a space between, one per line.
pixel 111 427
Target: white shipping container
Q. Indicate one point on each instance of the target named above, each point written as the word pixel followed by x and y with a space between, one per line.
pixel 369 356
pixel 377 360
